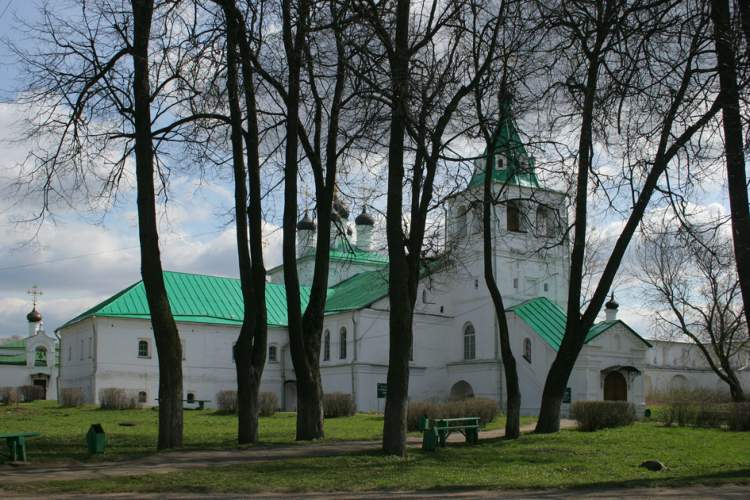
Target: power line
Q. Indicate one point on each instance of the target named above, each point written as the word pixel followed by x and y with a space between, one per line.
pixel 93 254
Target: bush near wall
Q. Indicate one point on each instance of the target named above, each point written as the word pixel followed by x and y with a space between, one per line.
pixel 268 403
pixel 71 396
pixel 118 399
pixel 31 393
pixel 739 417
pixel 484 408
pixel 595 415
pixel 9 395
pixel 226 401
pixel 696 395
pixel 338 404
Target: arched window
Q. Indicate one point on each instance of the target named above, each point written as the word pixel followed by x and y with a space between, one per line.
pixel 142 397
pixel 470 342
pixel 527 349
pixel 513 216
pixel 272 354
pixel 190 397
pixel 40 356
pixel 143 349
pixel 342 343
pixel 326 346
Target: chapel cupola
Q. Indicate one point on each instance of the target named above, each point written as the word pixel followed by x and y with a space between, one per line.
pixel 34 317
pixel 305 235
pixel 364 223
pixel 610 308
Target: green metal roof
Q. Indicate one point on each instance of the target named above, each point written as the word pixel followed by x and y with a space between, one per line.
pixel 358 292
pixel 348 254
pixel 195 298
pixel 20 358
pixel 518 169
pixel 548 319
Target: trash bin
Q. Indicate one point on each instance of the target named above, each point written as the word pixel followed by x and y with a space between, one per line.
pixel 96 439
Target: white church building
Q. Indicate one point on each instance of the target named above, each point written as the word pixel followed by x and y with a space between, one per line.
pixel 455 351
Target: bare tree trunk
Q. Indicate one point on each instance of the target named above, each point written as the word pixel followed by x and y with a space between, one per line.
pixel 735 157
pixel 169 349
pixel 252 339
pixel 401 306
pixel 513 392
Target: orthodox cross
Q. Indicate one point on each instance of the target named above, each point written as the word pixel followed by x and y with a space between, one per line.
pixel 34 292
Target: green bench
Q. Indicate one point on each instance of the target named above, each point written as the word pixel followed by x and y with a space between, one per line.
pixel 16 442
pixel 435 432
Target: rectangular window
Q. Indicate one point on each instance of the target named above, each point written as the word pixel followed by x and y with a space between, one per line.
pixel 514 217
pixel 272 354
pixel 143 349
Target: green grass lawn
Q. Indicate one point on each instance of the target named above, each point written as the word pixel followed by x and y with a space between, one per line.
pixel 567 459
pixel 63 430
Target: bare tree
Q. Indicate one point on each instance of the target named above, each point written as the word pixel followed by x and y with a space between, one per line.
pixel 250 348
pixel 727 42
pixel 92 86
pixel 623 74
pixel 691 274
pixel 429 73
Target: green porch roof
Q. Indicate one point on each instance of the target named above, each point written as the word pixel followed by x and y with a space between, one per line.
pixel 548 319
pixel 198 298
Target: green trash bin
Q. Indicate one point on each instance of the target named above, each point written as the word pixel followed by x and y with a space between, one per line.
pixel 96 439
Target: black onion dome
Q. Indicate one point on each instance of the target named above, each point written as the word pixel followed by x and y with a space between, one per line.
pixel 306 224
pixel 612 303
pixel 364 219
pixel 34 316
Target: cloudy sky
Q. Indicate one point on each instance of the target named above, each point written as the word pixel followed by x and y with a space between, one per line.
pixel 79 259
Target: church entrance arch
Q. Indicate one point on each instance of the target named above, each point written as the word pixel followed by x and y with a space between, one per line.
pixel 290 395
pixel 615 387
pixel 461 390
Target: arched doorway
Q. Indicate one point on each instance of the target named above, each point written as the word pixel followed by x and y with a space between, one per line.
pixel 290 395
pixel 678 383
pixel 461 390
pixel 615 387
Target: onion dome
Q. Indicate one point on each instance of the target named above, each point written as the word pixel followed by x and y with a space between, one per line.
pixel 340 208
pixel 364 219
pixel 34 316
pixel 306 224
pixel 612 303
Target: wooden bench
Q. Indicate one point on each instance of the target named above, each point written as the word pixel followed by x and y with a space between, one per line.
pixel 16 442
pixel 435 432
pixel 200 402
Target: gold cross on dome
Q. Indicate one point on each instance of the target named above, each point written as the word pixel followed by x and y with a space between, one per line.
pixel 34 292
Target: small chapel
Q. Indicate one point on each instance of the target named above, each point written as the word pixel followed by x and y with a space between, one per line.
pixel 455 352
pixel 30 360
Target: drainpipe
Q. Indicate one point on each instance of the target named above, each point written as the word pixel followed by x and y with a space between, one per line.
pixel 59 368
pixel 354 356
pixel 93 357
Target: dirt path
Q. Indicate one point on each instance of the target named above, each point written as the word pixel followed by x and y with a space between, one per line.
pixel 172 461
pixel 728 492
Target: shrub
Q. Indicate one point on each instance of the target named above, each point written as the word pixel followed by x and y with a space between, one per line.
pixel 117 399
pixel 338 404
pixel 739 417
pixel 70 397
pixel 8 395
pixel 485 409
pixel 226 401
pixel 595 415
pixel 31 393
pixel 682 414
pixel 695 395
pixel 268 402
